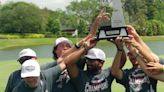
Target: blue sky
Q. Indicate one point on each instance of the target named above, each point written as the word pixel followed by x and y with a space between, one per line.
pixel 50 4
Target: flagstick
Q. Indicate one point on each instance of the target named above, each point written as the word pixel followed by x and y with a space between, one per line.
pixel 77 40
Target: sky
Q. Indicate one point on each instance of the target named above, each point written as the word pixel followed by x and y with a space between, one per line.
pixel 50 4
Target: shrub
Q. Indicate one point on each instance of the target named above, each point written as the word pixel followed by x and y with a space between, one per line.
pixel 9 36
pixel 34 36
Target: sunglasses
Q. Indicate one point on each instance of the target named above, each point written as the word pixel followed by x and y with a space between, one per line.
pixel 23 59
pixel 93 60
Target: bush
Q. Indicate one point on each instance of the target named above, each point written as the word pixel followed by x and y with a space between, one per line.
pixel 154 27
pixel 9 36
pixel 34 36
pixel 49 35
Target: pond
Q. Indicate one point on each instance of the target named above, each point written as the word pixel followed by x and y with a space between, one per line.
pixel 45 51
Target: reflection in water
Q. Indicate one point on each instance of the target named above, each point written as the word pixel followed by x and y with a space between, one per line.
pixel 45 51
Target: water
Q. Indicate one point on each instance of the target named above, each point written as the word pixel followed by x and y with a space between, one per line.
pixel 45 51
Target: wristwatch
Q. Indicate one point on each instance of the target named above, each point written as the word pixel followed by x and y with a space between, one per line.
pixel 77 45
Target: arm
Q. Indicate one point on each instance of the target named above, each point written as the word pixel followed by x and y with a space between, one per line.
pixel 136 41
pixel 102 16
pixel 73 57
pixel 48 65
pixel 142 62
pixel 71 62
pixel 116 69
pixel 143 66
pixel 156 67
pixel 9 83
pixel 52 74
pixel 71 66
pixel 123 59
pixel 119 60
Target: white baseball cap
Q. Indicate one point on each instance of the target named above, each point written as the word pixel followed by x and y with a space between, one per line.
pixel 96 53
pixel 27 52
pixel 30 68
pixel 62 39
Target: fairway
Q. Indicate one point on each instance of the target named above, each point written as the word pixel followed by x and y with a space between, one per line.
pixel 9 66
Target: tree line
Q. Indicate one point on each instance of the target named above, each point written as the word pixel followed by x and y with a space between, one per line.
pixel 21 18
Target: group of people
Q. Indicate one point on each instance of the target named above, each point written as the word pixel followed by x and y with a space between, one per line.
pixel 67 73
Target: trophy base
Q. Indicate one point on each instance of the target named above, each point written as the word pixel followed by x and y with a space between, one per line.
pixel 107 32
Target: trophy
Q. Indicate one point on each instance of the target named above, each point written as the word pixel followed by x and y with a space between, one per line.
pixel 117 27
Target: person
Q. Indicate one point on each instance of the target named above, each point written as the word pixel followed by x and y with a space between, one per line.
pixel 153 65
pixel 133 79
pixel 61 46
pixel 94 79
pixel 64 45
pixel 15 77
pixel 81 78
pixel 35 80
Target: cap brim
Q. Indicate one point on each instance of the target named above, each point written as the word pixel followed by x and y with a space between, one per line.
pixel 24 75
pixel 90 57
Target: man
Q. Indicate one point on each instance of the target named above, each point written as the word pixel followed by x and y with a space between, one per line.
pixel 63 83
pixel 154 65
pixel 133 79
pixel 63 45
pixel 94 79
pixel 34 80
pixel 15 77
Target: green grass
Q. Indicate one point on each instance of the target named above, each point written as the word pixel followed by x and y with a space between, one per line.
pixel 9 66
pixel 11 43
pixel 8 43
pixel 152 38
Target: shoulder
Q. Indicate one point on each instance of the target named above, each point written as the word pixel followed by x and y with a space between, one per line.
pixel 15 74
pixel 19 87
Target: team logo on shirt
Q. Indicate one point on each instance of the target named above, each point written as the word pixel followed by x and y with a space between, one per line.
pixel 137 78
pixel 63 78
pixel 96 85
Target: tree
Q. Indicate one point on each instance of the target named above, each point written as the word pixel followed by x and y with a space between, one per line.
pixel 82 27
pixel 22 18
pixel 85 9
pixel 136 10
pixel 159 5
pixel 54 26
pixel 155 27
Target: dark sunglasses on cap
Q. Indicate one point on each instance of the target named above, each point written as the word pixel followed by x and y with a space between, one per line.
pixel 23 59
pixel 93 60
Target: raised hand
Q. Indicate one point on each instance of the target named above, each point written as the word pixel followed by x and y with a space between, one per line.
pixel 131 40
pixel 88 42
pixel 103 16
pixel 118 42
pixel 132 32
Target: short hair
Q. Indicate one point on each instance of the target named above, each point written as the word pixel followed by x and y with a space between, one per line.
pixel 53 52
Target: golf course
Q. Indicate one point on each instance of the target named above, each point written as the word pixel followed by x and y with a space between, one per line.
pixel 8 66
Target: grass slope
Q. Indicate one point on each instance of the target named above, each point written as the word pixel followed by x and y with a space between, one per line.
pixel 9 66
pixel 10 43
